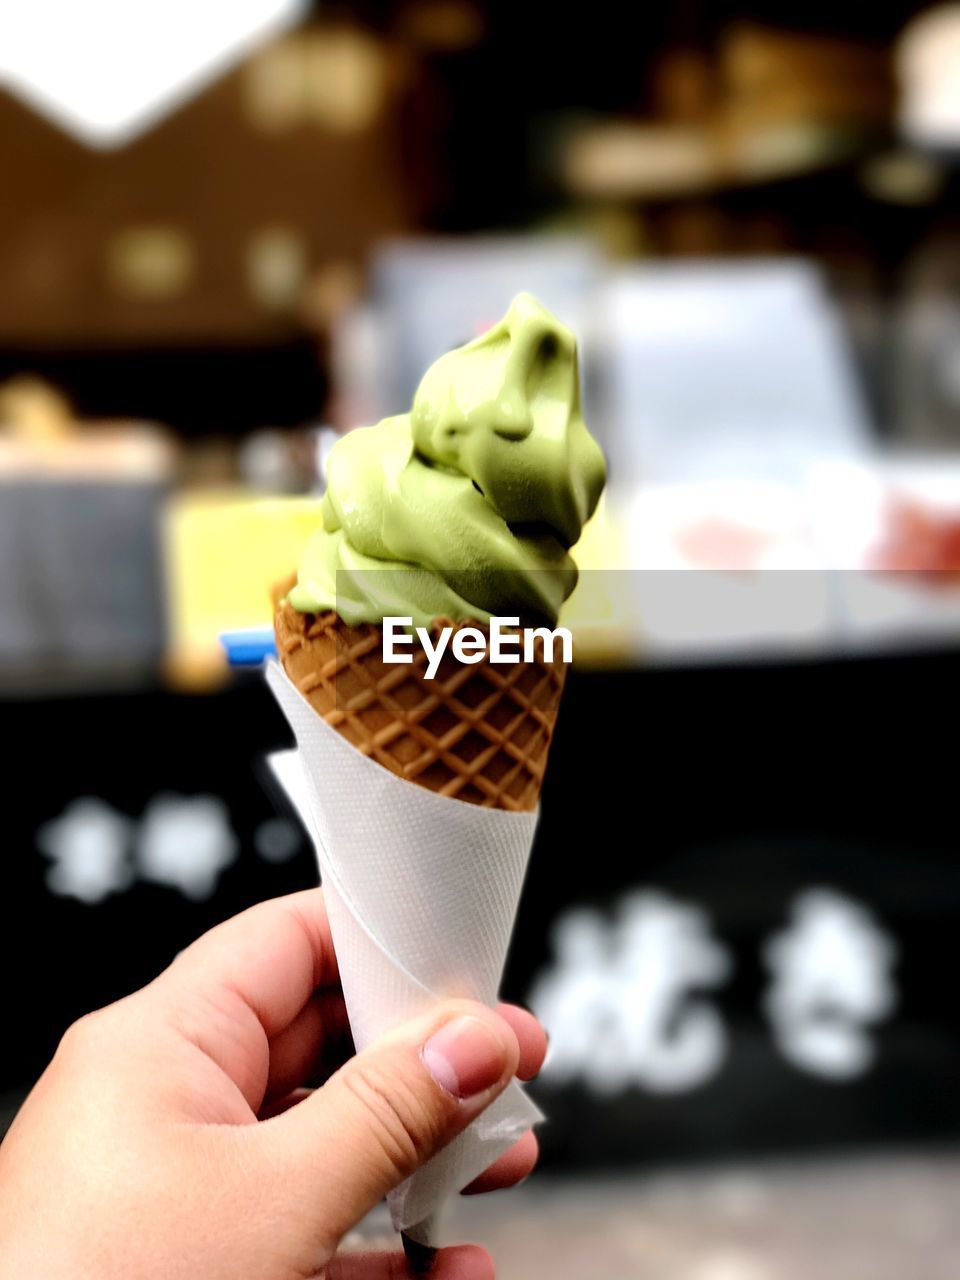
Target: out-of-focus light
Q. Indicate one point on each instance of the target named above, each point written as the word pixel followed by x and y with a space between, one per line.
pixel 34 412
pixel 277 259
pixel 928 60
pixel 619 159
pixel 902 177
pixel 346 80
pixel 106 70
pixel 449 26
pixel 150 262
pixel 274 86
pixel 335 78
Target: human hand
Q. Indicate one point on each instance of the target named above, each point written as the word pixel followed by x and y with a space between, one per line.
pixel 172 1135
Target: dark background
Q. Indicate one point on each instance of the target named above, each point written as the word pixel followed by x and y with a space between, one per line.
pixel 731 788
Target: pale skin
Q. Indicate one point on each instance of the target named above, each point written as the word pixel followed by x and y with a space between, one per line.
pixel 173 1136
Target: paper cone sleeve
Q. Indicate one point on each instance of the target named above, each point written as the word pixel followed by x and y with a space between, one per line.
pixel 422 890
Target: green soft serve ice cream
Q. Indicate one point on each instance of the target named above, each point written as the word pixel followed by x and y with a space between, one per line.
pixel 466 506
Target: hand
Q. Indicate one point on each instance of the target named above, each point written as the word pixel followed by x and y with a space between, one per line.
pixel 172 1138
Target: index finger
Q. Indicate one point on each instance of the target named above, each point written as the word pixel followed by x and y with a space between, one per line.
pixel 273 957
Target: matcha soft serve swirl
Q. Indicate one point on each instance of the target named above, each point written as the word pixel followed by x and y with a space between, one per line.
pixel 467 505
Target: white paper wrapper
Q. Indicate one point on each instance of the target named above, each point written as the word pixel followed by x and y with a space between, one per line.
pixel 421 891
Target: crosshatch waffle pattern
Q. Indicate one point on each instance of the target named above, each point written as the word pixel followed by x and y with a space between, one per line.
pixel 480 733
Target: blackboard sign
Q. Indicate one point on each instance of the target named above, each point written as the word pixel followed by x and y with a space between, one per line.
pixel 738 920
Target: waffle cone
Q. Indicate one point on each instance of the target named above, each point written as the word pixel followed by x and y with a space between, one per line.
pixel 480 733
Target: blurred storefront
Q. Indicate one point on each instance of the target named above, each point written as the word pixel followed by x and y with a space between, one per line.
pixel 745 885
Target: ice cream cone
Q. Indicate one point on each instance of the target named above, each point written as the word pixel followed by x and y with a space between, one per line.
pixel 421 787
pixel 479 733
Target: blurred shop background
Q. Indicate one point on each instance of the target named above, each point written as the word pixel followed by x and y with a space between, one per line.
pixel 231 232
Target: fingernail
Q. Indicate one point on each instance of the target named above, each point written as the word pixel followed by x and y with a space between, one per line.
pixel 465 1057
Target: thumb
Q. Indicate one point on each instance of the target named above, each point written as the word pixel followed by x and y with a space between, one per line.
pixel 385 1113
